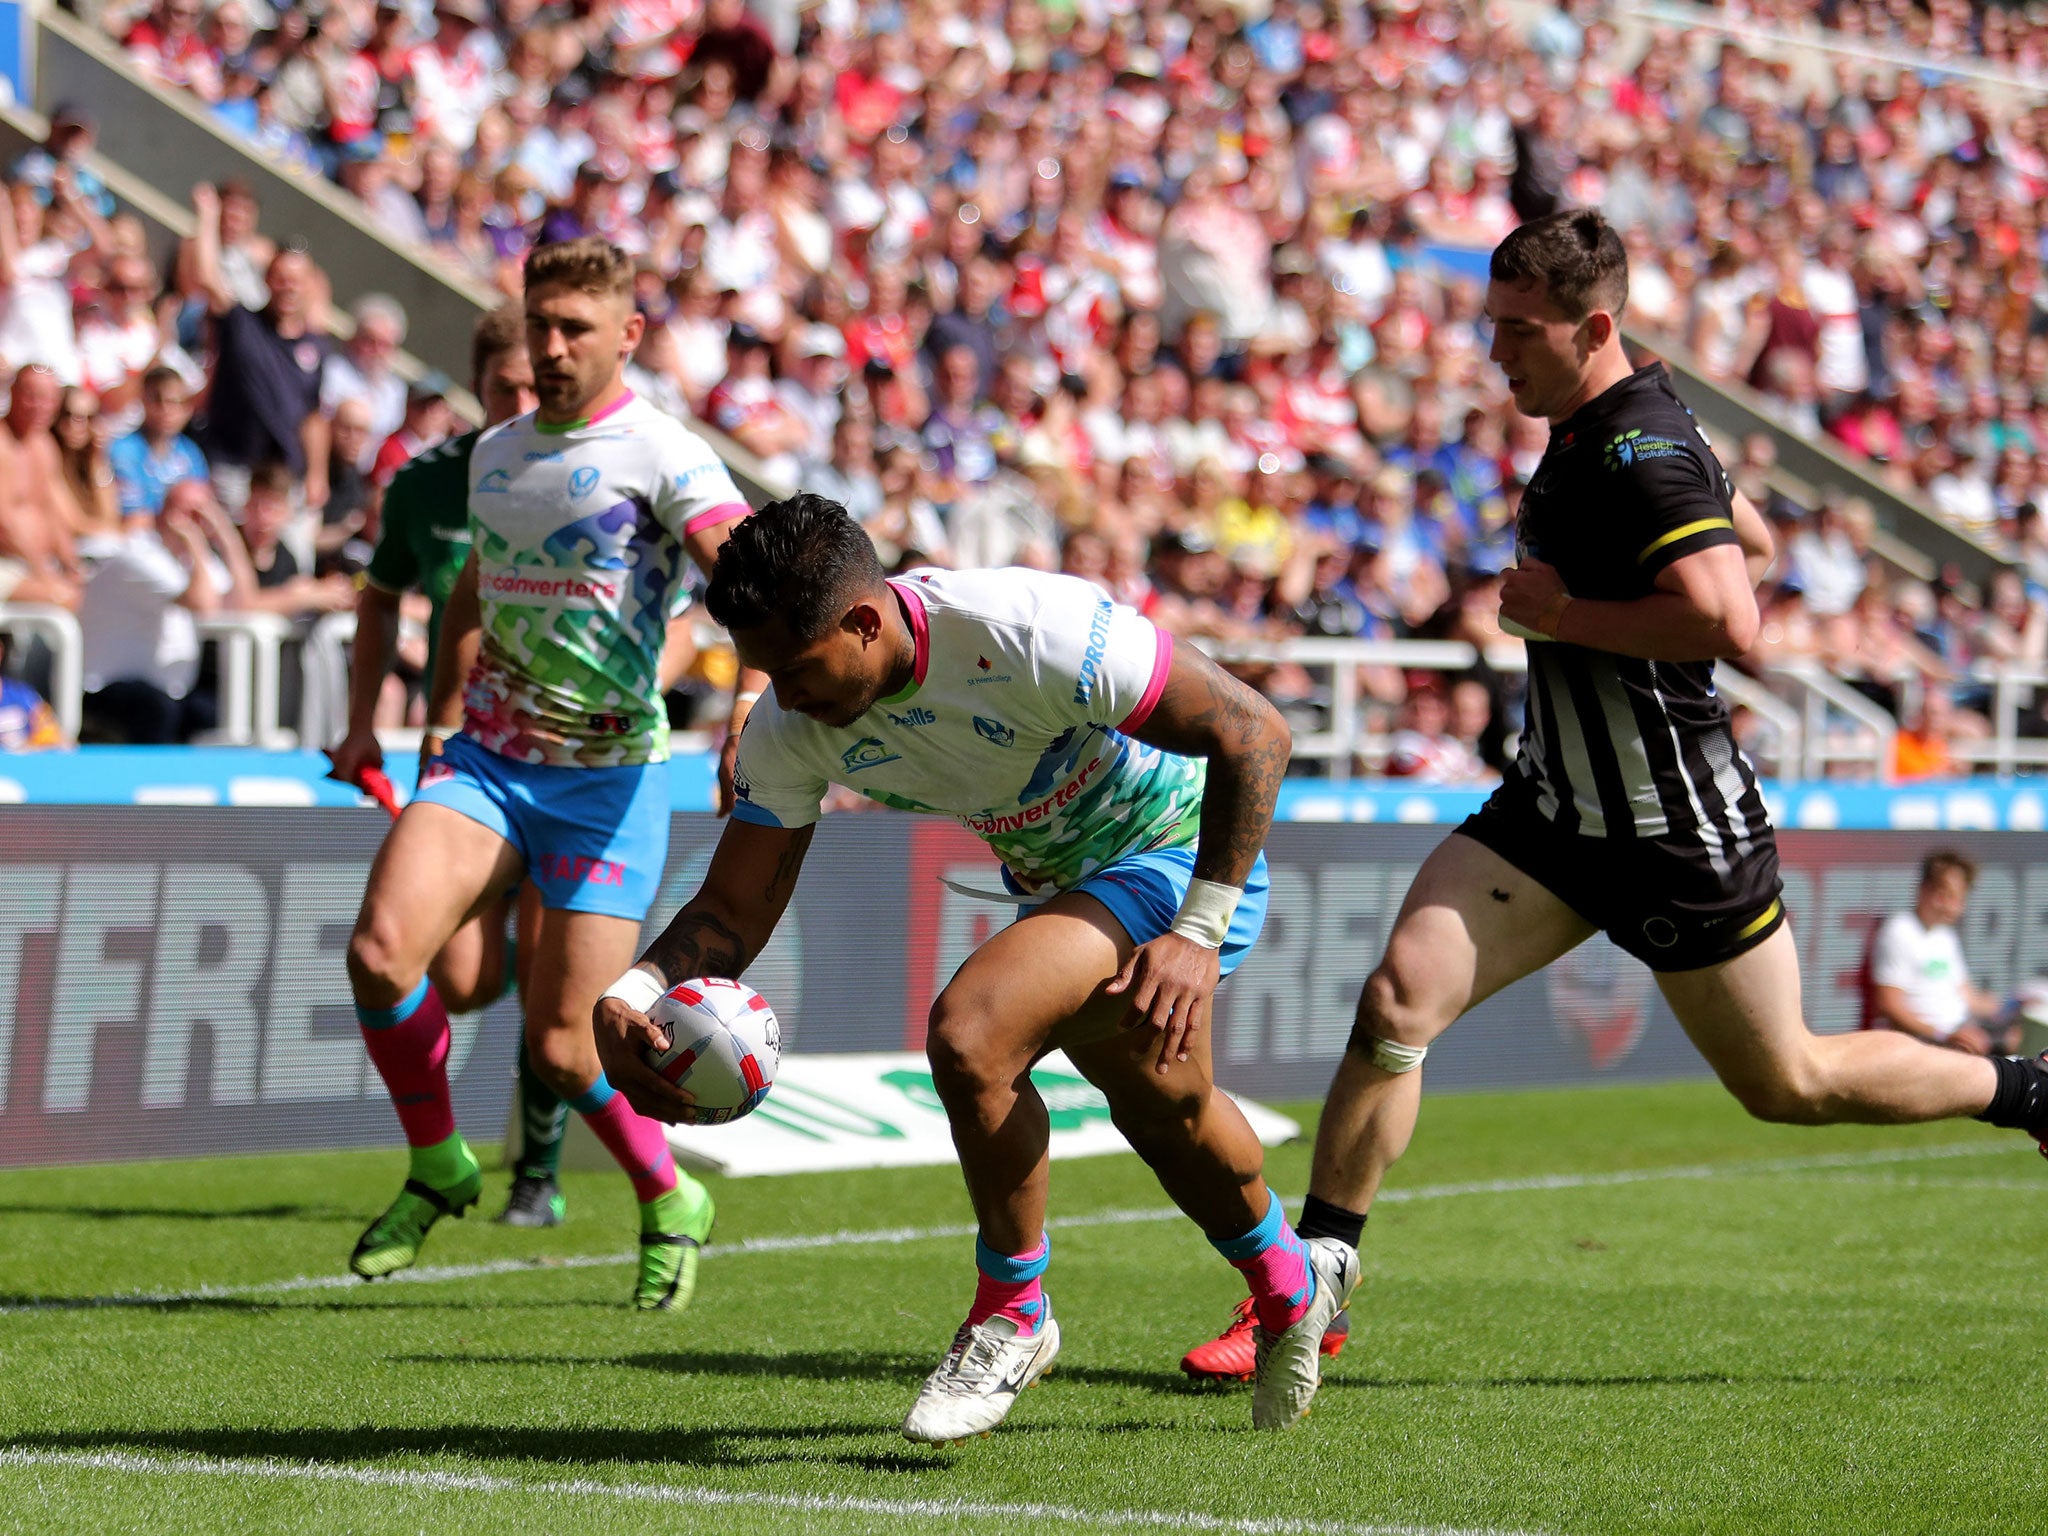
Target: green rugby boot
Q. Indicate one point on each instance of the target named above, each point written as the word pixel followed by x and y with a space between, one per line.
pixel 673 1227
pixel 446 1180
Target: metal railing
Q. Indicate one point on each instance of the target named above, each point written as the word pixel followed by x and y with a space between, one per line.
pixel 1870 733
pixel 1815 723
pixel 58 629
pixel 250 650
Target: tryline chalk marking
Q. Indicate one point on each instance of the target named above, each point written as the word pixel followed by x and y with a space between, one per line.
pixel 948 1510
pixel 430 1274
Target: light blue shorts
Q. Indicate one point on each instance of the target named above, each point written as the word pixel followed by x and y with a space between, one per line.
pixel 594 839
pixel 1144 891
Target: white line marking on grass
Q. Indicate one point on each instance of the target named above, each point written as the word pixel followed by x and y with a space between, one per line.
pixel 700 1498
pixel 429 1274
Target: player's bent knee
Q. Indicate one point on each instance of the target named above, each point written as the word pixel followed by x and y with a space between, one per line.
pixel 1391 1031
pixel 377 960
pixel 565 1062
pixel 958 1045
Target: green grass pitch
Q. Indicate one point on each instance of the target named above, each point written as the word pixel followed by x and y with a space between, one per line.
pixel 1623 1310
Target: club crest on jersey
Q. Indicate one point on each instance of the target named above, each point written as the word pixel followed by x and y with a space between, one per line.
pixel 1634 447
pixel 496 483
pixel 995 731
pixel 582 483
pixel 868 752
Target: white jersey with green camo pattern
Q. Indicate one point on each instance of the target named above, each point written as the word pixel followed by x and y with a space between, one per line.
pixel 579 545
pixel 1019 726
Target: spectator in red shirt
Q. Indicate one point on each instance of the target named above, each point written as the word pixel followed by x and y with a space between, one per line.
pixel 166 45
pixel 428 421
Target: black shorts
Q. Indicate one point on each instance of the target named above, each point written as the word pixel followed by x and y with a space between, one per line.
pixel 1664 900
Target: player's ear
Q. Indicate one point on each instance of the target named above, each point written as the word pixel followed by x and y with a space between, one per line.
pixel 864 618
pixel 1599 329
pixel 630 336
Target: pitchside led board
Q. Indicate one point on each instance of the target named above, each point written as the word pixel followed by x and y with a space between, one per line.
pixel 171 980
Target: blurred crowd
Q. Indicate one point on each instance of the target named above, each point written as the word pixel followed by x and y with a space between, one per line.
pixel 1172 296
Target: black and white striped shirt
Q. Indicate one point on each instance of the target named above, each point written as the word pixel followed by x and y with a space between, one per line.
pixel 1615 746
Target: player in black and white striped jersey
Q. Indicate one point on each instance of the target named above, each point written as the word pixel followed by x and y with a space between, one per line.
pixel 1630 809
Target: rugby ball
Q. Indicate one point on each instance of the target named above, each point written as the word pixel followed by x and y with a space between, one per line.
pixel 723 1045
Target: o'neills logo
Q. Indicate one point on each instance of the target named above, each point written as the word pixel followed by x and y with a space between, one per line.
pixel 515 584
pixel 1059 799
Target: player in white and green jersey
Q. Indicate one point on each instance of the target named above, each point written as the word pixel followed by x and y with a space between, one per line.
pixel 1126 786
pixel 584 515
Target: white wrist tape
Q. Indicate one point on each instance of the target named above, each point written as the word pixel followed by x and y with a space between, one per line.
pixel 1205 914
pixel 637 990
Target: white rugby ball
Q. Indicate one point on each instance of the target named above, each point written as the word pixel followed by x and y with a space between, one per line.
pixel 724 1045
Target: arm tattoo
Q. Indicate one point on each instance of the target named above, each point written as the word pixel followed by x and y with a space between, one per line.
pixel 1206 712
pixel 782 883
pixel 697 943
pixel 719 937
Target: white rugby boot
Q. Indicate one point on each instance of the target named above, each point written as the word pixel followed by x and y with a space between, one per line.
pixel 972 1390
pixel 1287 1367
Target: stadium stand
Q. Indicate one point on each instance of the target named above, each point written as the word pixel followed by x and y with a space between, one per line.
pixel 1189 304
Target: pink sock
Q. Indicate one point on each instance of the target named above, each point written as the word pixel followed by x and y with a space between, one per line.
pixel 409 1045
pixel 1009 1285
pixel 634 1140
pixel 1275 1265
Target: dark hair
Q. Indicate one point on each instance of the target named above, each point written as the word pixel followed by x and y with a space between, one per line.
pixel 271 476
pixel 1575 255
pixel 1942 860
pixel 803 560
pixel 498 331
pixel 160 375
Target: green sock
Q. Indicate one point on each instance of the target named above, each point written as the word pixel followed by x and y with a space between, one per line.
pixel 445 1164
pixel 543 1122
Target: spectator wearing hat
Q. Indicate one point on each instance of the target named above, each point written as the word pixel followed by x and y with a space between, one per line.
pixel 455 74
pixel 810 385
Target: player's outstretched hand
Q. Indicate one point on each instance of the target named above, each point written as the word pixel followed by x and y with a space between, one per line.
pixel 1169 983
pixel 622 1035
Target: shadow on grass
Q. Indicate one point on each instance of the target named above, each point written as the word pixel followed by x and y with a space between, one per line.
pixel 379 1300
pixel 1645 1379
pixel 319 1213
pixel 820 1365
pixel 566 1447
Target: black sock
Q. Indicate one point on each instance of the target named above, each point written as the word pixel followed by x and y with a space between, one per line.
pixel 2020 1102
pixel 1319 1218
